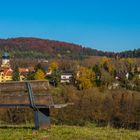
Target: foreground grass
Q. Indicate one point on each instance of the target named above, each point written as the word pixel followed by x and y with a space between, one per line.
pixel 69 133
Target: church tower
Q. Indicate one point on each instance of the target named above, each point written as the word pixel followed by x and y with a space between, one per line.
pixel 5 60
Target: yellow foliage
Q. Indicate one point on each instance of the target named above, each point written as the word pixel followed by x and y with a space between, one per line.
pixel 110 68
pixel 85 78
pixel 106 63
pixel 53 66
pixel 104 60
pixel 128 60
pixel 39 75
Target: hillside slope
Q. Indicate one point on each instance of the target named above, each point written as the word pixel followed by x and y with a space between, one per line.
pixel 45 47
pixel 40 48
pixel 132 53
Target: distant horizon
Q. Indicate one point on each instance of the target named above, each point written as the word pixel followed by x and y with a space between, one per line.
pixel 66 42
pixel 104 25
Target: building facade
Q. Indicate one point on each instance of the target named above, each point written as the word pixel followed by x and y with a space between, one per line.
pixel 5 69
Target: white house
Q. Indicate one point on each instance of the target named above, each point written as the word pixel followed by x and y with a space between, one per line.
pixel 66 78
pixel 127 75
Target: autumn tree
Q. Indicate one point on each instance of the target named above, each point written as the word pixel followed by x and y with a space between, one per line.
pixel 39 75
pixel 106 78
pixel 104 63
pixel 53 66
pixel 107 65
pixel 39 66
pixel 136 69
pixel 129 63
pixel 136 81
pixel 67 64
pixel 85 78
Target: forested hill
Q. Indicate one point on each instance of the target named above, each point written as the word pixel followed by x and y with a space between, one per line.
pixel 35 47
pixel 44 48
pixel 135 53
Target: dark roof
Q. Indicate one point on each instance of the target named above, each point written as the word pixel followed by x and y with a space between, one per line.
pixel 6 55
pixel 66 73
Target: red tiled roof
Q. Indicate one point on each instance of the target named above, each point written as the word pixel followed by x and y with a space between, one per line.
pixel 23 70
pixel 8 72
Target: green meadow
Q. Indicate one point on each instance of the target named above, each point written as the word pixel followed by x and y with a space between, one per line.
pixel 63 132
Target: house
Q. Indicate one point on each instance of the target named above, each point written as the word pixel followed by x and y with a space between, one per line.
pixel 114 85
pixel 138 68
pixel 66 77
pixel 5 60
pixel 6 74
pixel 127 75
pixel 48 71
pixel 135 69
pixel 23 72
pixel 5 70
pixel 121 74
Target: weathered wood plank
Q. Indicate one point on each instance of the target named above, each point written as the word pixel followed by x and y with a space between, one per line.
pixel 21 86
pixel 17 93
pixel 24 99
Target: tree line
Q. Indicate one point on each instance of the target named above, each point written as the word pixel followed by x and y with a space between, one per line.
pixel 43 48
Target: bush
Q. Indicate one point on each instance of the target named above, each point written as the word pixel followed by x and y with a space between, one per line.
pixel 118 108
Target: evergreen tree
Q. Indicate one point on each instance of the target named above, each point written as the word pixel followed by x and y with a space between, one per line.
pixel 55 78
pixel 97 71
pixel 16 75
pixel 30 75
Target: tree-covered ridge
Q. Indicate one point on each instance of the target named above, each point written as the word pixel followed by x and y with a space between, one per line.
pixel 44 48
pixel 134 53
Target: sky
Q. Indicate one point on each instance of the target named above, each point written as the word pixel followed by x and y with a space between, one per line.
pixel 108 25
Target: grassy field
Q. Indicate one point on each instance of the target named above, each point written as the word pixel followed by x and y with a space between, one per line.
pixel 69 133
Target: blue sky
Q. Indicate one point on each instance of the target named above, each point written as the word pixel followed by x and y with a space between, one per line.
pixel 109 25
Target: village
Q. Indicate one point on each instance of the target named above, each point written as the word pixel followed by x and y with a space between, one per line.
pixel 6 72
pixel 82 77
pixel 70 70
